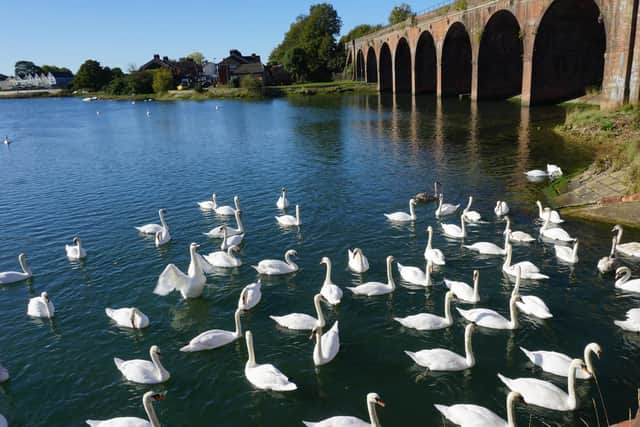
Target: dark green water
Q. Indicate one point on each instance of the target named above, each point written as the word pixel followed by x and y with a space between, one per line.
pixel 346 161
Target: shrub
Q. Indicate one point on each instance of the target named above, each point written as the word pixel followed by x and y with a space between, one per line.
pixel 251 83
pixel 162 80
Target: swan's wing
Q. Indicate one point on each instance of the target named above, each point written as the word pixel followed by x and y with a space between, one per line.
pixel 170 279
pixel 634 315
pixel 270 377
pixel 204 263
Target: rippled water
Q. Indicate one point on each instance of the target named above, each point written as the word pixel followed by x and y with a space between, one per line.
pixel 346 161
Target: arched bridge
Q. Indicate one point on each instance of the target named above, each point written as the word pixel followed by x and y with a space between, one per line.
pixel 546 51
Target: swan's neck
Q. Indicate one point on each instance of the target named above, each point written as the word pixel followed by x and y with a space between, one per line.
pixel 468 349
pixel 619 236
pixel 574 254
pixel 469 204
pixel 162 221
pixel 447 309
pixel 516 287
pixel 506 237
pixel 507 261
pixel 571 385
pixel 45 301
pixel 79 246
pixel 236 203
pixel 613 247
pixel 252 356
pixel 429 239
pixel 239 222
pixel 435 189
pixel 464 231
pixel 321 321
pixel 24 266
pixel 587 358
pixel 540 213
pixel 439 210
pixel 390 280
pixel 288 260
pixel 215 202
pixel 158 365
pixel 297 215
pixel 195 269
pixel 513 313
pixel 238 323
pixel 327 277
pixel 476 294
pixel 511 419
pixel 151 413
pixel 427 274
pixel 411 211
pixel 373 416
pixel 546 220
pixel 624 278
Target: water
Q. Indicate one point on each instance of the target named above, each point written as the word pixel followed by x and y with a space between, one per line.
pixel 346 161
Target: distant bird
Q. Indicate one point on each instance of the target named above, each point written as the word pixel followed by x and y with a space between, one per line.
pixel 282 202
pixel 6 140
pixel 148 113
pixel 41 307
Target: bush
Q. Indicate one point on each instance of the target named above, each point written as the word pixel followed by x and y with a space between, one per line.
pixel 162 80
pixel 249 82
pixel 198 88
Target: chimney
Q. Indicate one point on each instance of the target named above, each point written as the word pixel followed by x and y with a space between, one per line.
pixel 156 57
pixel 165 58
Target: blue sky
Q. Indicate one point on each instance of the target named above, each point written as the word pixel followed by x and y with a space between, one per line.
pixel 118 32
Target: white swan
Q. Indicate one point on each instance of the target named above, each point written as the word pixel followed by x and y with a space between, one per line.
pixel 190 285
pixel 403 216
pixel 416 276
pixel 444 209
pixel 517 236
pixel 6 140
pixel 230 241
pixel 435 255
pixel 471 216
pixel 144 371
pixel 162 237
pixel 75 252
pixel 134 421
pixel 265 376
pixel 358 263
pixel 327 345
pixel 558 363
pixel 224 259
pixel 41 307
pixel 371 289
pixel 488 248
pixel 567 254
pixel 272 267
pixel 490 319
pixel 441 359
pixel 554 171
pixel 630 248
pixel 608 263
pixel 623 274
pixel 467 415
pixel 530 304
pixel 7 277
pixel 4 374
pixel 215 338
pixel 128 317
pixel 555 233
pixel 282 202
pixel 226 210
pixel 290 220
pixel 428 321
pixel 3 421
pixel 218 232
pixel 250 296
pixel 502 208
pixel 208 204
pixel 452 230
pixel 330 291
pixel 154 228
pixel 632 321
pixel 464 292
pixel 348 421
pixel 555 216
pixel 543 393
pixel 536 173
pixel 301 321
pixel 527 268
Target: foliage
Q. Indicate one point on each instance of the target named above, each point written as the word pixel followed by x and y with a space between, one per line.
pixel 197 57
pixel 296 63
pixel 54 69
pixel 162 80
pixel 92 76
pixel 460 5
pixel 198 88
pixel 400 13
pixel 360 31
pixel 138 82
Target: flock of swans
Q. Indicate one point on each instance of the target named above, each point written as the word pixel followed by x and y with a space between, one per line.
pixel 265 376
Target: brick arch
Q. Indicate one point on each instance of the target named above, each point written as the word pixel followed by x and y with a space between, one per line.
pixel 360 67
pixel 371 61
pixel 385 68
pixel 425 63
pixel 402 66
pixel 456 60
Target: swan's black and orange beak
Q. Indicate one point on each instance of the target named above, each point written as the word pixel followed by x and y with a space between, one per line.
pixel 380 403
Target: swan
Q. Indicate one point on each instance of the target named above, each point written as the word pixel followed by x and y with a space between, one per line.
pixel 230 241
pixel 623 274
pixel 555 216
pixel 629 248
pixel 428 321
pixel 282 202
pixel 215 338
pixel 371 289
pixel 425 197
pixel 608 263
pixel 226 210
pixel 330 291
pixel 218 232
pixel 543 393
pixel 435 255
pixel 224 259
pixel 154 228
pixel 471 216
pixel 555 233
pixel 517 236
pixel 536 173
pixel 162 237
pixel 632 321
pixel 488 248
pixel 301 321
pixel 6 140
pixel 190 285
pixel 466 415
pixel 3 421
pixel 502 208
pixel 490 319
pixel 452 230
pixel 265 376
pixel 558 363
pixel 554 171
pixel 272 267
pixel 142 371
pixel 250 296
pixel 527 268
pixel 530 304
pixel 4 374
pixel 128 317
pixel 464 292
pixel 208 204
pixel 403 216
pixel 290 220
pixel 566 254
pixel 358 263
pixel 327 344
pixel 416 276
pixel 75 252
pixel 347 421
pixel 41 307
pixel 134 421
pixel 7 277
pixel 444 209
pixel 440 359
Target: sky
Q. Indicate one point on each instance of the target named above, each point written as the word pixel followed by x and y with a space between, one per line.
pixel 119 33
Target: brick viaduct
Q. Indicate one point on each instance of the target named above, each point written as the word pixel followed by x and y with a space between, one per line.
pixel 546 51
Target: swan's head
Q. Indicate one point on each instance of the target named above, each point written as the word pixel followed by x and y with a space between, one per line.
pixel 153 395
pixel 22 257
pixel 429 229
pixel 390 258
pixel 194 246
pixel 538 203
pixel 476 274
pixel 430 266
pixel 214 196
pixel 449 296
pixel 317 330
pixel 579 364
pixel 291 252
pixel 283 190
pixel 155 350
pixel 163 211
pixel 236 199
pixel 514 396
pixel 76 240
pixel 596 349
pixel 374 398
pixel 45 296
pixel 325 260
pixel 235 248
pixel 412 202
pixel 470 199
pixel 441 196
pixel 616 228
pixel 621 271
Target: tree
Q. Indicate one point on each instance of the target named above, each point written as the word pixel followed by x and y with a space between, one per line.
pixel 54 69
pixel 359 31
pixel 296 63
pixel 197 57
pixel 162 80
pixel 92 76
pixel 400 13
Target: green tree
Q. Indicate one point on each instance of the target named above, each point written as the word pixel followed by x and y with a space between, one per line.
pixel 197 57
pixel 141 81
pixel 400 13
pixel 359 31
pixel 54 69
pixel 92 76
pixel 296 63
pixel 162 80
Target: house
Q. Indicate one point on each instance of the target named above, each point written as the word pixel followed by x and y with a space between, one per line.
pixel 237 65
pixel 185 69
